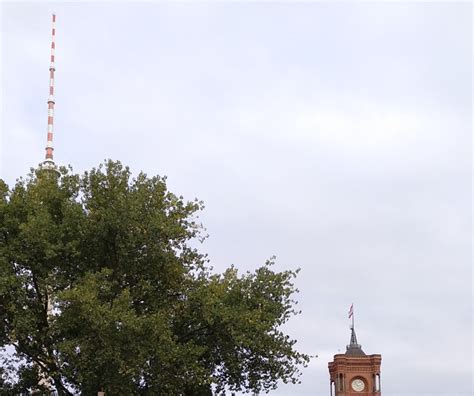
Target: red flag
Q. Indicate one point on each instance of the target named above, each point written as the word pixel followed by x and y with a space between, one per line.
pixel 351 311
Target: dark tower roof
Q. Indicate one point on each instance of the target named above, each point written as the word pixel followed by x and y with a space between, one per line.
pixel 354 349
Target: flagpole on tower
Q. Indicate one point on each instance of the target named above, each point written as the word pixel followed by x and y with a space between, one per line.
pixel 351 315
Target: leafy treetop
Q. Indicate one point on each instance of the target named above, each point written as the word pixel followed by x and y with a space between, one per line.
pixel 100 289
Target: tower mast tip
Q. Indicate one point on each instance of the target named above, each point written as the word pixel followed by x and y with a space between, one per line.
pixel 48 163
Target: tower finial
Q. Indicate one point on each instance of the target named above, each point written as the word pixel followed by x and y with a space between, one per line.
pixel 353 348
pixel 49 162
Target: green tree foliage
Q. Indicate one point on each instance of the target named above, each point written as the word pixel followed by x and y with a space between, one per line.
pixel 136 309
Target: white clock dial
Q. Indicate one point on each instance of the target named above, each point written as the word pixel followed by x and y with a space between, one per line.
pixel 358 385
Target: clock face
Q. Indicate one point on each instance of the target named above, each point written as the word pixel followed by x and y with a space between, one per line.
pixel 358 385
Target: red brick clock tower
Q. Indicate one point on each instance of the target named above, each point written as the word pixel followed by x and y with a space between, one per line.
pixel 354 373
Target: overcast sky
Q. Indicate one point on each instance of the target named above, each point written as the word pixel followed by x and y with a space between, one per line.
pixel 336 136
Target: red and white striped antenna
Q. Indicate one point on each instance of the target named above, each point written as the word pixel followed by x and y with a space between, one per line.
pixel 49 162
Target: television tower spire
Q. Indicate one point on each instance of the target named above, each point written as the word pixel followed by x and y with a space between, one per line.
pixel 48 163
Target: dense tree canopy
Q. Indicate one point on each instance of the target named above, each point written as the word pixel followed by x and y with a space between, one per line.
pixel 102 289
